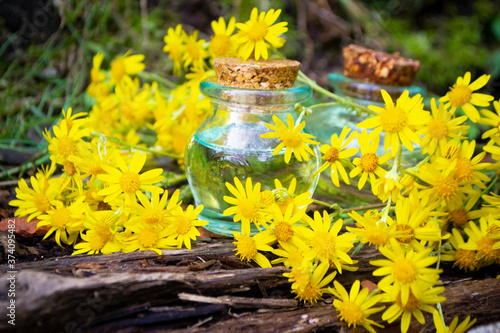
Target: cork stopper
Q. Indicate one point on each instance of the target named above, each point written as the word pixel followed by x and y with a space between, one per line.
pixel 365 64
pixel 256 74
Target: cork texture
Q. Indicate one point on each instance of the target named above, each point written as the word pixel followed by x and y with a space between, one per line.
pixel 378 67
pixel 256 74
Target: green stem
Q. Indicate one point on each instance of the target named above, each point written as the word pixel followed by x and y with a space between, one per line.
pixel 355 209
pixel 124 144
pixel 155 77
pixel 321 105
pixel 174 180
pixel 326 204
pixel 493 181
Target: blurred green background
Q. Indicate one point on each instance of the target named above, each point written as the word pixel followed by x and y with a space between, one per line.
pixel 47 46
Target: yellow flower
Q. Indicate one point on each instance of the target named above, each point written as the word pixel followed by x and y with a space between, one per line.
pixel 195 53
pixel 292 256
pixel 404 270
pixel 454 326
pixel 182 225
pixel 66 222
pixel 126 65
pixel 371 231
pixel 387 186
pixel 38 200
pixel 146 237
pixel 480 240
pixel 222 44
pixel 414 305
pixel 291 139
pixel 332 155
pixel 175 47
pixel 284 227
pixel 285 197
pixel 464 259
pixel 355 308
pixel 246 203
pixel 96 74
pixel 153 213
pixel 312 288
pixel 90 162
pixel 462 95
pixel 397 121
pixel 260 29
pixel 248 247
pixel 491 119
pixel 324 239
pixel 440 129
pixel 128 180
pixel 99 237
pixel 369 163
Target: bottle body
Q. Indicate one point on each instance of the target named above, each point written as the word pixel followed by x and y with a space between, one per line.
pixel 228 144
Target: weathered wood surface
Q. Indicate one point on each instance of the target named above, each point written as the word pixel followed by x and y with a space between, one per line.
pixel 200 290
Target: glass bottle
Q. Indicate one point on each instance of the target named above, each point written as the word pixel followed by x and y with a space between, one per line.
pixel 228 145
pixel 326 121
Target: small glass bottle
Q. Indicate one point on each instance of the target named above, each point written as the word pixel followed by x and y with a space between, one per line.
pixel 228 145
pixel 326 121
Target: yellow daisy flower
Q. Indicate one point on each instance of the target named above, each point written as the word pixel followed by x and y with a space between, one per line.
pixel 195 53
pixel 246 203
pixel 182 225
pixel 247 247
pixel 355 308
pixel 462 95
pixel 324 239
pixel 33 202
pixel 454 326
pixel 388 186
pixel 440 129
pixel 480 240
pixel 222 44
pixel 126 65
pixel 90 162
pixel 154 213
pixel 127 179
pixel 414 305
pixel 491 119
pixel 285 197
pixel 404 270
pixel 397 121
pixel 464 259
pixel 65 221
pixel 332 155
pixel 371 231
pixel 292 256
pixel 175 47
pixel 291 139
pixel 284 227
pixel 369 163
pixel 314 286
pixel 255 34
pixel 146 237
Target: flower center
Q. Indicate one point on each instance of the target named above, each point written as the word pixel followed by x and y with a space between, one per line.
pixel 42 204
pixel 458 217
pixel 283 231
pixel 147 238
pixel 466 260
pixel 103 232
pixel 130 182
pixel 183 224
pixel 376 236
pixel 248 209
pixel 351 313
pixel 459 95
pixel 323 244
pixel 96 243
pixel 258 31
pixel 175 53
pixel 246 247
pixel 61 217
pixel 484 248
pixel 404 271
pixel 295 258
pixel 332 155
pixel 118 69
pixel 66 147
pixel 220 45
pixel 69 168
pixel 465 171
pixel 310 293
pixel 96 169
pixel 393 119
pixel 446 187
pixel 368 162
pixel 152 218
pixel 291 139
pixel 412 304
pixel 405 233
pixel 192 50
pixel 437 129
